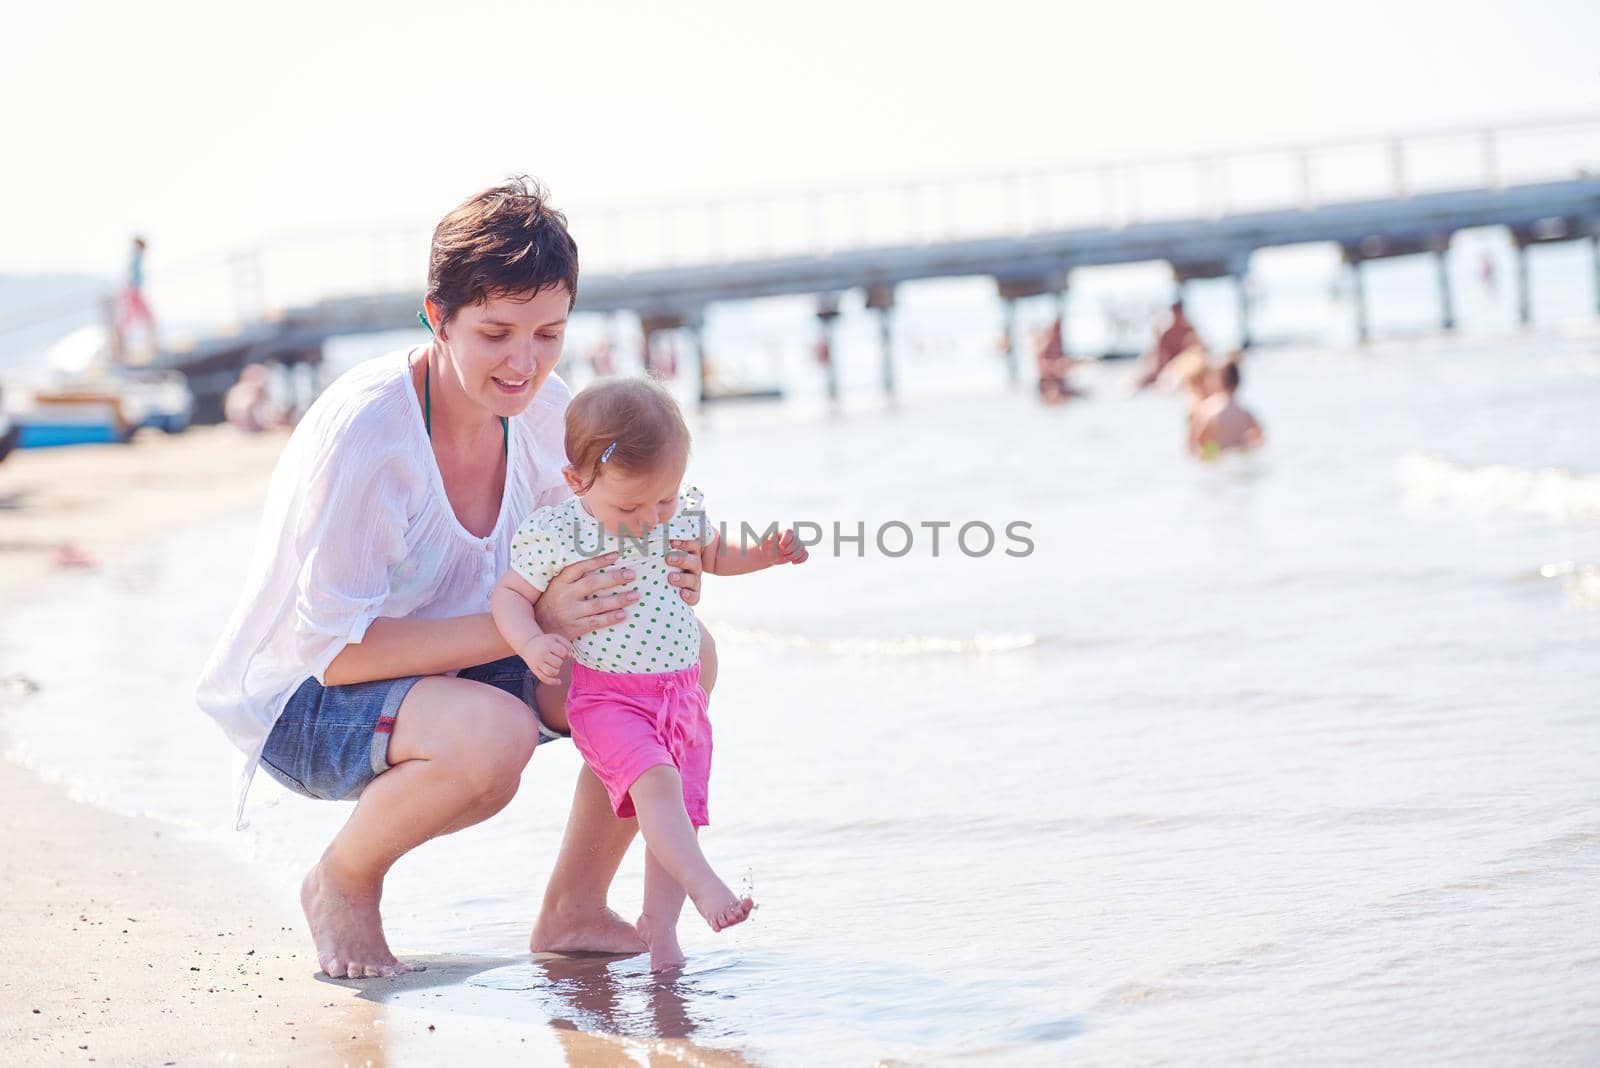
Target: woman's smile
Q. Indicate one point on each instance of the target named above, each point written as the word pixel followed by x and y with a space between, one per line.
pixel 510 385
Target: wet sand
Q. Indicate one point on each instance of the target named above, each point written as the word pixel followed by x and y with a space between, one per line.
pixel 125 940
pixel 127 945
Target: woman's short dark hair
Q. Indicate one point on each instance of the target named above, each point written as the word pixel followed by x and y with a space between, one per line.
pixel 506 240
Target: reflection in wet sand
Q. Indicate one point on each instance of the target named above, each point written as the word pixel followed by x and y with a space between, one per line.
pixel 598 1010
pixel 603 998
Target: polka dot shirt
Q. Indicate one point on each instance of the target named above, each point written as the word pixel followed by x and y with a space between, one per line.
pixel 660 633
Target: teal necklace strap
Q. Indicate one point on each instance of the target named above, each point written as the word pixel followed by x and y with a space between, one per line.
pixel 427 410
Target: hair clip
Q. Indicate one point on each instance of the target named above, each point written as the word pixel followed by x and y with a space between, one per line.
pixel 609 450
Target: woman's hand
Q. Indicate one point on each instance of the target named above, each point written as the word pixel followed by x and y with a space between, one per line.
pixel 686 555
pixel 578 600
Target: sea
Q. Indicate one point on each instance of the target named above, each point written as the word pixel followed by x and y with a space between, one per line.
pixel 1284 758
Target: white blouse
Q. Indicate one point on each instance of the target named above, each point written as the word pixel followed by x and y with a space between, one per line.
pixel 357 527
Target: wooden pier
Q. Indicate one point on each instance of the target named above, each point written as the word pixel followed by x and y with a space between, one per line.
pixel 1037 232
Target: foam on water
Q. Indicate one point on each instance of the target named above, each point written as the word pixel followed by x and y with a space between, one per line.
pixel 1550 493
pixel 908 645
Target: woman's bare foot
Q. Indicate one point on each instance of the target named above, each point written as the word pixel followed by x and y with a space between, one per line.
pixel 345 926
pixel 662 938
pixel 584 930
pixel 720 907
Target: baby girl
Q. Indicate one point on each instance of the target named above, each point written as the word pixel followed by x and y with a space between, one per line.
pixel 636 707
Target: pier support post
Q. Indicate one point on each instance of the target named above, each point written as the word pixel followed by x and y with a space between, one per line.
pixel 1524 298
pixel 1358 291
pixel 1017 287
pixel 881 299
pixel 1447 304
pixel 652 323
pixel 827 314
pixel 1594 244
pixel 695 325
pixel 1061 310
pixel 1241 286
pixel 1010 329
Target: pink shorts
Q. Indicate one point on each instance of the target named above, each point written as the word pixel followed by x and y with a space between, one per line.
pixel 624 725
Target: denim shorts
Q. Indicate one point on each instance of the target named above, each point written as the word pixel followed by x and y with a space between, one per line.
pixel 330 741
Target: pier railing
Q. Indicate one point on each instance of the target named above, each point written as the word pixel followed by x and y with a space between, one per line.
pixel 1105 194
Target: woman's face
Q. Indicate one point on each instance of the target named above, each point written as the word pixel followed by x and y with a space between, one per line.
pixel 503 350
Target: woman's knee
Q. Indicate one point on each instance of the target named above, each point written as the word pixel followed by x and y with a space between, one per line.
pixel 482 735
pixel 502 737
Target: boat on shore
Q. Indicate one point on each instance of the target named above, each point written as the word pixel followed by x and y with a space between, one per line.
pixel 82 397
pixel 9 431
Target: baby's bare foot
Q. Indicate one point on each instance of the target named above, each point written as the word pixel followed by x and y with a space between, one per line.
pixel 346 927
pixel 720 906
pixel 662 938
pixel 738 912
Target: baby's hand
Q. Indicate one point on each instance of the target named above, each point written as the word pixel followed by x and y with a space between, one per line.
pixel 544 656
pixel 785 548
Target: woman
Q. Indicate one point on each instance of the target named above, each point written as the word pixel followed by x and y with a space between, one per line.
pixel 361 661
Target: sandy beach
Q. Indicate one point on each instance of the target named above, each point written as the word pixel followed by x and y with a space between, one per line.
pixel 124 942
pixel 100 499
pixel 129 940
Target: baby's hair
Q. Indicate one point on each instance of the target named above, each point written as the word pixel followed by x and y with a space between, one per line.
pixel 636 415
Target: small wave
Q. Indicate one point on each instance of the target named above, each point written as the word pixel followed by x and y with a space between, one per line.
pixel 1130 994
pixel 906 645
pixel 1549 493
pixel 885 829
pixel 82 791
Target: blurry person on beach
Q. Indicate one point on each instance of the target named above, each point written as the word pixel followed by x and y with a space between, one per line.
pixel 1053 365
pixel 249 405
pixel 1220 423
pixel 133 308
pixel 361 662
pixel 660 356
pixel 635 706
pixel 1178 335
pixel 601 356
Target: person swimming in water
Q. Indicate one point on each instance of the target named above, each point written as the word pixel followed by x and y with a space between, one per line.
pixel 1053 365
pixel 1220 423
pixel 1179 335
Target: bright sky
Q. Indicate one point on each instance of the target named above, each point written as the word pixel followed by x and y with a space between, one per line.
pixel 212 125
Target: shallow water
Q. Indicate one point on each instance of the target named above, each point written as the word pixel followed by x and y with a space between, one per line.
pixel 1289 757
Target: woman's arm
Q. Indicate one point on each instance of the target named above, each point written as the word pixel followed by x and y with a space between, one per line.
pixel 396 648
pixel 577 601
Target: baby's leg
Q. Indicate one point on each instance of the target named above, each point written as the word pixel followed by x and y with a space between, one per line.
pixel 658 923
pixel 658 799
